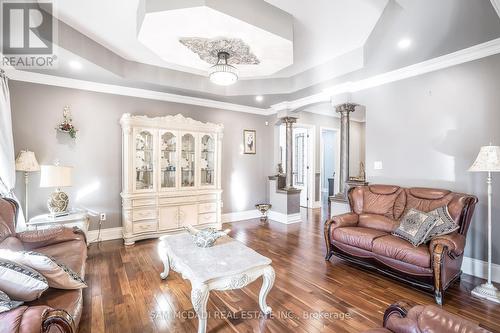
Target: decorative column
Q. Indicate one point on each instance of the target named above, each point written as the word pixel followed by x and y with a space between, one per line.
pixel 344 110
pixel 289 121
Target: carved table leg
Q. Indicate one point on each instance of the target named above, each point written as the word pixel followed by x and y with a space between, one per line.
pixel 199 298
pixel 267 284
pixel 166 266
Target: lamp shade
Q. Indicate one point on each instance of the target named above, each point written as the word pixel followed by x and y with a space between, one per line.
pixel 55 176
pixel 26 161
pixel 488 160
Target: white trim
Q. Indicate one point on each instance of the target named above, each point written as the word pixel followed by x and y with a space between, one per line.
pixel 317 204
pixel 452 59
pixel 479 269
pixel 240 216
pixel 496 5
pixel 106 234
pixel 284 218
pixel 59 81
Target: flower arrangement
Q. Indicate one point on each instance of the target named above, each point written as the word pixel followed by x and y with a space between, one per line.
pixel 66 126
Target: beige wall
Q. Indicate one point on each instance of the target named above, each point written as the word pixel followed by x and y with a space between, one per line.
pixel 96 153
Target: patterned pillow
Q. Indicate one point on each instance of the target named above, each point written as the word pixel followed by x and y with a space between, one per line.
pixel 445 224
pixel 6 304
pixel 415 226
pixel 58 275
pixel 21 282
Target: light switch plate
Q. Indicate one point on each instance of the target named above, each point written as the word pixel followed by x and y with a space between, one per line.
pixel 377 165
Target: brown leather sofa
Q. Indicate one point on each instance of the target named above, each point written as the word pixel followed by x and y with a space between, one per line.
pixel 401 318
pixel 364 235
pixel 57 310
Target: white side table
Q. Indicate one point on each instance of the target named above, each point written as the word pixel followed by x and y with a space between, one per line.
pixel 73 219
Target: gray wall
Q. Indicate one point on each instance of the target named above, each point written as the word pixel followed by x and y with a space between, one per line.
pixel 427 132
pixel 96 153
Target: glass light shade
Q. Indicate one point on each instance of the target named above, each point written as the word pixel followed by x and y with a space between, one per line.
pixel 488 160
pixel 26 161
pixel 55 176
pixel 223 74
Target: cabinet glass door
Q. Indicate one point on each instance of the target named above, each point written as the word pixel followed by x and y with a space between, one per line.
pixel 168 160
pixel 187 160
pixel 207 161
pixel 144 165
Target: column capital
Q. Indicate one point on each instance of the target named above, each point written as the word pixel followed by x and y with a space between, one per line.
pixel 345 108
pixel 289 120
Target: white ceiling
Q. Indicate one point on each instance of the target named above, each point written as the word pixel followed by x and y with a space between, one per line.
pixel 323 29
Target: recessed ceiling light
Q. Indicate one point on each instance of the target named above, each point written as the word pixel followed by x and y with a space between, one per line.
pixel 259 98
pixel 76 65
pixel 404 43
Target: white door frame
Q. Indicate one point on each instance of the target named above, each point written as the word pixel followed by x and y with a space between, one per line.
pixel 311 158
pixel 337 157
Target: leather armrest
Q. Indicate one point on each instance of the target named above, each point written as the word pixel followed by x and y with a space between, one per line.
pixel 455 243
pixel 36 319
pixel 33 239
pixel 344 220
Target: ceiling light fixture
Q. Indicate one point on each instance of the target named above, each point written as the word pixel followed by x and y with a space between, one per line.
pixel 76 65
pixel 404 43
pixel 222 73
pixel 259 98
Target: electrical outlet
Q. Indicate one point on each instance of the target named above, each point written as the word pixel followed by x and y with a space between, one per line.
pixel 102 217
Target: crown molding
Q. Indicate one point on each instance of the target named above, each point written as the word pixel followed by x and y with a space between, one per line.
pixel 496 5
pixel 452 59
pixel 59 81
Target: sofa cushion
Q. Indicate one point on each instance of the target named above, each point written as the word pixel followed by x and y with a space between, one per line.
pixel 72 254
pixel 378 222
pixel 57 274
pixel 396 248
pixel 21 282
pixel 415 226
pixel 6 304
pixel 380 199
pixel 12 243
pixel 357 237
pixel 444 225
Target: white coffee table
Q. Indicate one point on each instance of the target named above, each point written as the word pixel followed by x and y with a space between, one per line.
pixel 227 265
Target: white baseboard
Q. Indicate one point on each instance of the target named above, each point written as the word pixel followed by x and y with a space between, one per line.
pixel 106 234
pixel 284 218
pixel 240 216
pixel 479 268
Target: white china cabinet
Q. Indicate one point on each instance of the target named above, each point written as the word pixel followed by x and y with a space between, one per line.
pixel 171 175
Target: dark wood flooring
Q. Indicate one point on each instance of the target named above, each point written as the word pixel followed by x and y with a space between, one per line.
pixel 126 294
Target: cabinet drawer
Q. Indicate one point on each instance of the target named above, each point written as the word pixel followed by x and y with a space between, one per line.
pixel 207 197
pixel 207 218
pixel 143 214
pixel 143 202
pixel 209 207
pixel 144 226
pixel 176 200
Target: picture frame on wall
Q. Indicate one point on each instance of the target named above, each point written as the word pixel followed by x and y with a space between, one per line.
pixel 250 141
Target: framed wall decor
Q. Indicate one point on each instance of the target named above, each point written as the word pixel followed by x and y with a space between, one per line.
pixel 249 141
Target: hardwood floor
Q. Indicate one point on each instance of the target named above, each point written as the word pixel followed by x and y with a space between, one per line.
pixel 126 294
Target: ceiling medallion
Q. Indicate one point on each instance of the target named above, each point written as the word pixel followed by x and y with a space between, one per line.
pixel 208 50
pixel 222 53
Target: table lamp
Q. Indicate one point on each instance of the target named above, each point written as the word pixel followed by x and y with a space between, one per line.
pixel 488 160
pixel 56 176
pixel 26 161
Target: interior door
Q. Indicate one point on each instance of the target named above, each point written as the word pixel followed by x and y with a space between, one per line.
pixel 300 164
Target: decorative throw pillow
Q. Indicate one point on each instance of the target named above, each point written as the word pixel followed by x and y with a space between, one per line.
pixel 21 282
pixel 415 226
pixel 6 304
pixel 58 275
pixel 445 224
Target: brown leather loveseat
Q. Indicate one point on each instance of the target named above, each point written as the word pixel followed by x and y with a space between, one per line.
pixel 402 318
pixel 56 310
pixel 364 235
